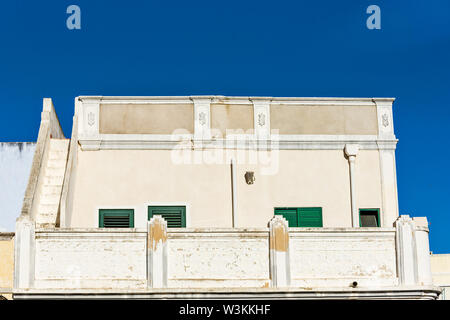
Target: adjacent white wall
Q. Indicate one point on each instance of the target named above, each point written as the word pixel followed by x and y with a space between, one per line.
pixel 440 268
pixel 15 165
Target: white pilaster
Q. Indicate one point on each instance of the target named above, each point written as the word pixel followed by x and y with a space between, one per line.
pixel 351 150
pixel 202 118
pixel 89 126
pixel 388 187
pixel 157 252
pixel 24 252
pixel 280 272
pixel 385 118
pixel 387 161
pixel 422 251
pixel 406 251
pixel 261 119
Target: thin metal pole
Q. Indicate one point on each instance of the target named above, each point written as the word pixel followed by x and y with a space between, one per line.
pixel 233 192
pixel 355 218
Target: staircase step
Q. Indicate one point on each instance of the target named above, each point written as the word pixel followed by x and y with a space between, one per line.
pixel 42 219
pixel 57 155
pixel 50 199
pixel 56 163
pixel 53 181
pixel 54 172
pixel 51 189
pixel 48 209
pixel 59 144
pixel 47 216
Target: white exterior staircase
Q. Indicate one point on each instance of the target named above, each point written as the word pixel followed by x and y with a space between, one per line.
pixel 52 182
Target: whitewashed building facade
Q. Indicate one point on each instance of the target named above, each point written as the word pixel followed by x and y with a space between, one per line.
pixel 219 197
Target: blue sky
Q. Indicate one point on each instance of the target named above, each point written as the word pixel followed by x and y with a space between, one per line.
pixel 249 48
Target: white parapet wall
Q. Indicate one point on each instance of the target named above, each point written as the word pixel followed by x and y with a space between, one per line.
pixel 213 258
pixel 90 258
pixel 217 258
pixel 366 262
pixel 340 257
pixel 261 262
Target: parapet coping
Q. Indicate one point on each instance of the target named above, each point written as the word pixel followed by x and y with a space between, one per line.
pixel 214 230
pixel 219 98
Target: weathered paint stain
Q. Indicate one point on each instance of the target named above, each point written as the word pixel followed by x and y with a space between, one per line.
pixel 280 241
pixel 157 234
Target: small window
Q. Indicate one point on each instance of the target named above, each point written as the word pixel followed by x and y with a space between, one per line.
pixel 116 218
pixel 369 217
pixel 302 217
pixel 174 215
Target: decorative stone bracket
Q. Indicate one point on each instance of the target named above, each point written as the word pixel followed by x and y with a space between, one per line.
pixel 157 252
pixel 280 272
pixel 261 119
pixel 385 118
pixel 202 116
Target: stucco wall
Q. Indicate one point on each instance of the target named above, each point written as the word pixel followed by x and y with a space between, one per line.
pixel 136 179
pixel 125 158
pixel 141 118
pixel 302 178
pixel 288 119
pixel 231 117
pixel 332 119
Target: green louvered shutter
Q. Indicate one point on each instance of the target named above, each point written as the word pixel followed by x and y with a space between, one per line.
pixel 290 214
pixel 174 215
pixel 116 218
pixel 301 217
pixel 310 217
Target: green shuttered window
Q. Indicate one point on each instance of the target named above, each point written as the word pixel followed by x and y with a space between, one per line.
pixel 174 215
pixel 369 217
pixel 302 217
pixel 116 218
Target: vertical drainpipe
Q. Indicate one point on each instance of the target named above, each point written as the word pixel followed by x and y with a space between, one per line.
pixel 233 192
pixel 351 151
